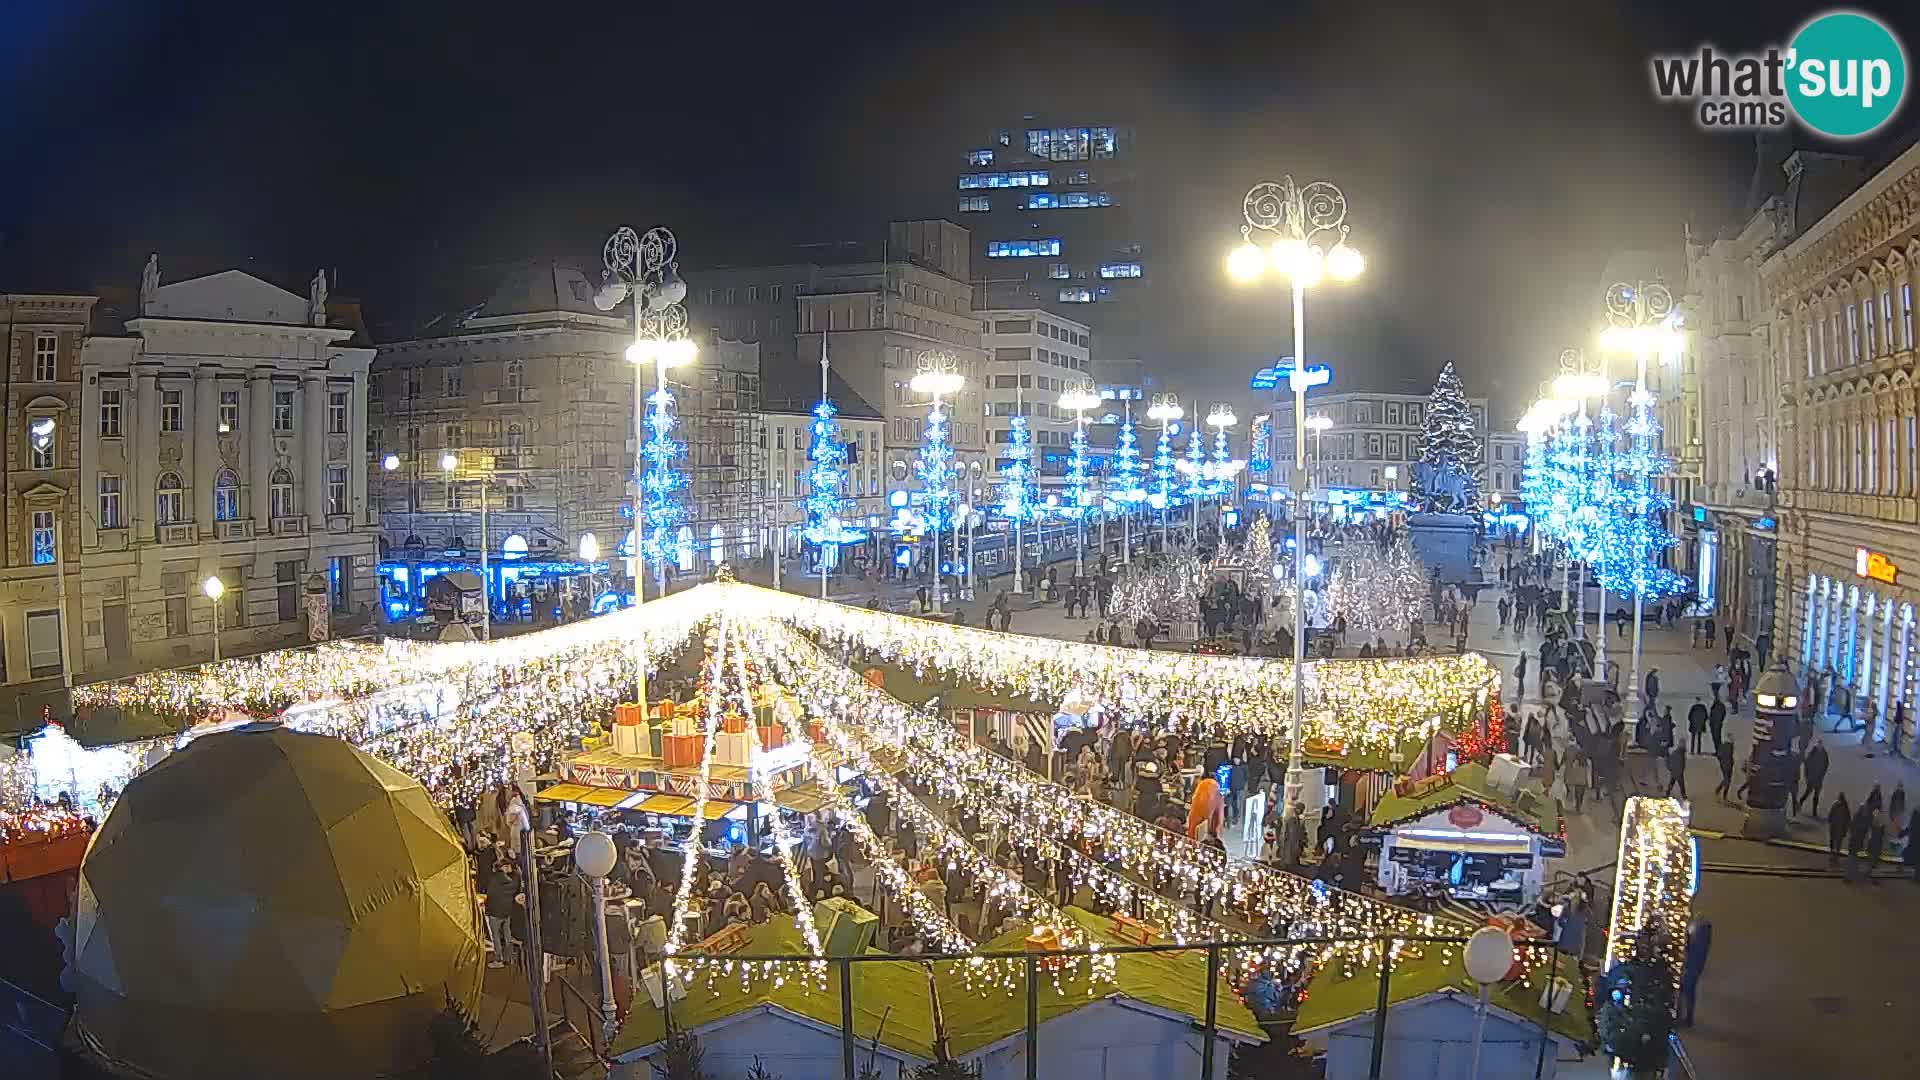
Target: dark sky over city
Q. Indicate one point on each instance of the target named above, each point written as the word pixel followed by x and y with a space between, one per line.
pixel 1493 155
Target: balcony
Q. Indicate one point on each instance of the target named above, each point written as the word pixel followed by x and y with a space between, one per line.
pixel 296 525
pixel 237 529
pixel 177 534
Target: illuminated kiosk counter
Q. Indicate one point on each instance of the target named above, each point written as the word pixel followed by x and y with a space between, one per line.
pixel 1469 838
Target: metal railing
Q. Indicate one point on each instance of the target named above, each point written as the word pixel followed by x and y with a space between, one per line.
pixel 1039 966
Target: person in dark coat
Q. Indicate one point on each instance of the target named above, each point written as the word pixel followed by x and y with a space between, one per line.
pixel 1677 768
pixel 1876 842
pixel 1716 720
pixel 1724 754
pixel 1839 818
pixel 1816 776
pixel 1862 824
pixel 1699 944
pixel 1697 726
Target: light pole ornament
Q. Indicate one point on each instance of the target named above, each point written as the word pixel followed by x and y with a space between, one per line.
pixel 643 266
pixel 1313 217
pixel 647 265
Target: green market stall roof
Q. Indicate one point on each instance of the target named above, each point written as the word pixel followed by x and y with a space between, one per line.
pixel 1173 982
pixel 1333 997
pixel 1532 809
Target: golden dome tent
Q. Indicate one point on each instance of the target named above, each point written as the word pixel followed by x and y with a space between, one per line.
pixel 271 903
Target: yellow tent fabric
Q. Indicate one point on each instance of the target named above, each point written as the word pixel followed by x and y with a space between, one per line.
pixel 271 903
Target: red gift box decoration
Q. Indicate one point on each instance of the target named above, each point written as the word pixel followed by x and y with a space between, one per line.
pixel 772 737
pixel 681 751
pixel 733 724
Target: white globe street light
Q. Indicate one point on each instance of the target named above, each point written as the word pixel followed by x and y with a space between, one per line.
pixel 594 854
pixel 390 462
pixel 1309 230
pixel 214 589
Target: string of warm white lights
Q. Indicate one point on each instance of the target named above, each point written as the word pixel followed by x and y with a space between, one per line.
pixel 711 671
pixel 947 759
pixel 763 793
pixel 1369 704
pixel 1657 871
pixel 932 924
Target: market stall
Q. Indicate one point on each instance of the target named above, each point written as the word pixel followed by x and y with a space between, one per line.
pixel 1459 835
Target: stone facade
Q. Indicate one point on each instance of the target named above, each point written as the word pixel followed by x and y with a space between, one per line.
pixel 224 433
pixel 1841 302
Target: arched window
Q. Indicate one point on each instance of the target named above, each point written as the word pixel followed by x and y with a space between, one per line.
pixel 169 500
pixel 516 374
pixel 717 545
pixel 226 496
pixel 684 548
pixel 281 489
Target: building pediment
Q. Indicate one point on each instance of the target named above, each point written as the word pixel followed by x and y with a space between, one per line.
pixel 229 296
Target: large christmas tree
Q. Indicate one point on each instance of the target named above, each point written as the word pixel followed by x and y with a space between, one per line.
pixel 1449 441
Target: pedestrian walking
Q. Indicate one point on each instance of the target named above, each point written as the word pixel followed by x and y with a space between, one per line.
pixel 1716 721
pixel 1897 803
pixel 1863 819
pixel 1876 843
pixel 1677 768
pixel 1579 773
pixel 1717 680
pixel 1815 769
pixel 1696 725
pixel 1723 753
pixel 1839 818
pixel 1694 965
pixel 1520 673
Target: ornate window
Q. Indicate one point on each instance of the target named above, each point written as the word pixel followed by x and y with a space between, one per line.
pixel 281 494
pixel 226 496
pixel 169 499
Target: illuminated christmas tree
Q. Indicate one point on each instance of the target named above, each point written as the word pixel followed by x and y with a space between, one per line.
pixel 1195 468
pixel 1636 529
pixel 1079 503
pixel 1163 494
pixel 1126 470
pixel 828 510
pixel 935 469
pixel 662 479
pixel 1016 474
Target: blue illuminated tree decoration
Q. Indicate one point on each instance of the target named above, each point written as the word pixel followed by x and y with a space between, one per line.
pixel 1195 467
pixel 1126 470
pixel 1260 454
pixel 935 469
pixel 1163 494
pixel 662 481
pixel 826 504
pixel 1536 482
pixel 1637 529
pixel 1016 474
pixel 1079 503
pixel 1222 462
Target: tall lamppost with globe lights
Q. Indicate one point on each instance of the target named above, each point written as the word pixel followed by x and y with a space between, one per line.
pixel 214 588
pixel 1078 400
pixel 1642 322
pixel 1167 410
pixel 937 376
pixel 643 268
pixel 1306 230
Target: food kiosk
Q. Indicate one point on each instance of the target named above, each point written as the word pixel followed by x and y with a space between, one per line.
pixel 1458 835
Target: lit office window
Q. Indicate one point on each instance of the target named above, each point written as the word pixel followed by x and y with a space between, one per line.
pixel 979 157
pixel 1060 271
pixel 1042 200
pixel 1075 295
pixel 974 203
pixel 1120 270
pixel 1023 249
pixel 1023 178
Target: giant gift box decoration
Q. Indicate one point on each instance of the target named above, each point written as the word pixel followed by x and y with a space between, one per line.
pixel 681 751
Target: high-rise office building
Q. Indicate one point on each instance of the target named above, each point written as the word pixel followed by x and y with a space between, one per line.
pixel 1053 213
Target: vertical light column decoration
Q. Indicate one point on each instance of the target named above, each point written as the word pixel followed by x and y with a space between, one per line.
pixel 1078 400
pixel 1194 468
pixel 1124 475
pixel 1260 458
pixel 828 518
pixel 1016 473
pixel 938 376
pixel 1166 409
pixel 1642 322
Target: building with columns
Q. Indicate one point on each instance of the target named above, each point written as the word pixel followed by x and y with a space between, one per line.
pixel 221 432
pixel 1840 299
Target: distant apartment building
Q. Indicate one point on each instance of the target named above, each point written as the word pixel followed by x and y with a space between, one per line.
pixel 1034 355
pixel 878 311
pixel 1057 217
pixel 1375 439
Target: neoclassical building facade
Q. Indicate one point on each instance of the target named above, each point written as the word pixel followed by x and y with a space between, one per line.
pixel 1841 300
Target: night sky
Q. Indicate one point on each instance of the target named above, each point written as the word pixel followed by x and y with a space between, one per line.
pixel 1493 155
